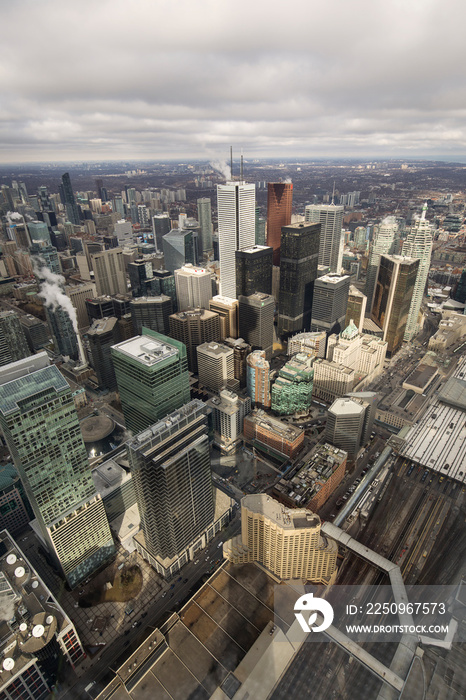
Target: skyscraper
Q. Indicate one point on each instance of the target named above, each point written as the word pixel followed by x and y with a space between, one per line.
pixel 46 255
pixel 39 231
pixel 258 379
pixel 178 249
pixel 394 289
pixel 356 308
pixel 254 270
pixel 139 272
pixel 418 244
pixel 62 329
pixel 236 203
pixel 215 365
pixel 256 321
pixel 13 345
pixel 170 464
pixel 109 271
pixel 298 271
pixel 151 312
pixel 383 242
pixel 41 427
pixel 344 427
pixel 101 336
pixel 193 287
pixel 330 217
pixel 192 328
pixel 279 206
pixel 227 310
pixel 204 215
pixel 152 376
pixel 329 303
pixel 160 226
pixel 69 201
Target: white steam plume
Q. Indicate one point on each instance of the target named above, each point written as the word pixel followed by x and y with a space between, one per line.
pixel 222 167
pixel 288 181
pixel 52 292
pixel 7 609
pixel 13 216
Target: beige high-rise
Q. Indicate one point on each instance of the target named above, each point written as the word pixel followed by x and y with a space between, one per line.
pixel 286 542
pixel 109 272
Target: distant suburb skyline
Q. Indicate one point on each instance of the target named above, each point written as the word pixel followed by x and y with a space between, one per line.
pixel 166 80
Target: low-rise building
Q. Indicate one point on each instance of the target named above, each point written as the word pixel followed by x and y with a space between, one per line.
pixel 451 328
pixel 272 435
pixel 316 481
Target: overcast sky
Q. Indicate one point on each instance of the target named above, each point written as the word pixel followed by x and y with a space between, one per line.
pixel 158 79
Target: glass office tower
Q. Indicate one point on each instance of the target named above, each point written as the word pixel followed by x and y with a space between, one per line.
pixel 41 427
pixel 152 376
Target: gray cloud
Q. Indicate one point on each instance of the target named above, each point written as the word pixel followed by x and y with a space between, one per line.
pixel 161 79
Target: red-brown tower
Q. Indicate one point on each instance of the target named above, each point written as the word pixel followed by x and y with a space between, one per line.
pixel 279 202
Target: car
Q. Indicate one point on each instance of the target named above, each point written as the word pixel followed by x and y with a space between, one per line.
pixel 410 470
pixel 345 498
pixel 179 579
pixel 424 476
pixel 185 580
pixel 172 586
pixel 126 643
pixel 207 558
pixel 144 614
pixel 197 561
pixel 164 594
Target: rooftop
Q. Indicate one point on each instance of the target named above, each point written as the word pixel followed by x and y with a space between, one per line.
pixel 421 376
pixel 332 278
pixel 346 407
pixel 454 393
pixel 102 325
pixel 157 432
pixel 146 349
pixel 31 615
pixel 287 518
pixel 308 481
pixel 214 348
pixel 227 301
pixel 255 248
pixel 27 385
pixel 265 420
pixel 108 476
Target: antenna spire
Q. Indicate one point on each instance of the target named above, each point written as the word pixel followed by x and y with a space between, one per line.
pixel 424 209
pixel 241 171
pixel 231 162
pixel 333 193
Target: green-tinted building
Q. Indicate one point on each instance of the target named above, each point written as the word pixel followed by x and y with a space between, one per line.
pixel 41 428
pixel 152 376
pixel 292 390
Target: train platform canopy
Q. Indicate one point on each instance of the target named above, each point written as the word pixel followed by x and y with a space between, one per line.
pixel 438 440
